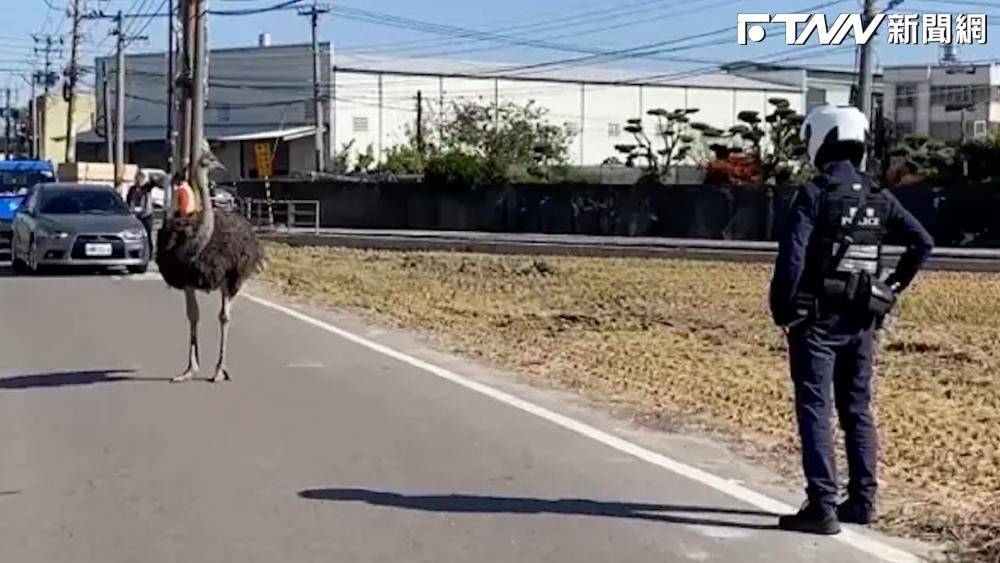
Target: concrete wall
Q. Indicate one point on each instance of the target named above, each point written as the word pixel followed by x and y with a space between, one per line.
pixel 691 211
pixel 52 120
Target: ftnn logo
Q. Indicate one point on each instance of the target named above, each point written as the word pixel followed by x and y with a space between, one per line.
pixel 750 28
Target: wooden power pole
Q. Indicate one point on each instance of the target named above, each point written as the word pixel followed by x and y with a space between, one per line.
pixel 313 13
pixel 72 74
pixel 865 70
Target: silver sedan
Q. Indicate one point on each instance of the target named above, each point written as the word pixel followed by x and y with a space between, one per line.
pixel 77 225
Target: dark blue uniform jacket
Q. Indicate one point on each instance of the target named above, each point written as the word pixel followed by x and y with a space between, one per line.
pixel 797 241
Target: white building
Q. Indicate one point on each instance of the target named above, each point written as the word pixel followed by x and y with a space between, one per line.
pixel 265 93
pixel 928 99
pixel 821 85
pixel 375 99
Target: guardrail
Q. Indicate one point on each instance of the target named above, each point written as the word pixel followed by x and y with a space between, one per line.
pixel 268 214
pixel 959 259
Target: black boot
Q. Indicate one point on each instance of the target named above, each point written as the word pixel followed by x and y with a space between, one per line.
pixel 812 518
pixel 856 511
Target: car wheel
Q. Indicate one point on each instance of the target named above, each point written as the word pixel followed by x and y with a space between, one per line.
pixel 33 256
pixel 15 261
pixel 140 269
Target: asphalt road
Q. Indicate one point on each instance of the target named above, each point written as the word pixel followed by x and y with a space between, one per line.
pixel 324 450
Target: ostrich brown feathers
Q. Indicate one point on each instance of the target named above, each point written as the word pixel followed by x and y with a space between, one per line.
pixel 233 254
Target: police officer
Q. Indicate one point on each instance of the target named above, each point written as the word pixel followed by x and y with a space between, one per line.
pixel 829 296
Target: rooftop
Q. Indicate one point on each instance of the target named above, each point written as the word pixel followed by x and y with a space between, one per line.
pixel 815 70
pixel 526 72
pixel 573 73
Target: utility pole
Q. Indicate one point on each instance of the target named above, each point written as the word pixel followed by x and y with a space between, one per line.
pixel 32 107
pixel 121 41
pixel 314 12
pixel 72 73
pixel 171 79
pixel 184 82
pixel 199 33
pixel 119 100
pixel 420 122
pixel 6 115
pixel 106 114
pixel 865 71
pixel 41 127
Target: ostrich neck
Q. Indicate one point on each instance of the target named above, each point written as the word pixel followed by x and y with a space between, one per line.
pixel 207 224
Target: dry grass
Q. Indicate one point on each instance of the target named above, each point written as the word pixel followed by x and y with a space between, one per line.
pixel 694 338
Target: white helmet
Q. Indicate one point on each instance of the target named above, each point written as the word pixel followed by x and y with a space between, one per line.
pixel 831 123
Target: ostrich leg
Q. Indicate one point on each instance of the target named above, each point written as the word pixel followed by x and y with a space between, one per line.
pixel 191 303
pixel 221 374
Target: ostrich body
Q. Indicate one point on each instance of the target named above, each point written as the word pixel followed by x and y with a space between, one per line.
pixel 207 251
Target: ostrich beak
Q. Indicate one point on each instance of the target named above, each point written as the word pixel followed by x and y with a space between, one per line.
pixel 210 162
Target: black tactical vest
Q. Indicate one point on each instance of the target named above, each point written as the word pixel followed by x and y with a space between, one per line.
pixel 838 205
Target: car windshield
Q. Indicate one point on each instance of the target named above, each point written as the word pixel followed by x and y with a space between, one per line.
pixel 82 201
pixel 14 181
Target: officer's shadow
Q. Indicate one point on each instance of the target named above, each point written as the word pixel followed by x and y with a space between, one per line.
pixel 456 503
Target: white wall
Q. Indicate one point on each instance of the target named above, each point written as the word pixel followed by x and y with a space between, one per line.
pixel 590 109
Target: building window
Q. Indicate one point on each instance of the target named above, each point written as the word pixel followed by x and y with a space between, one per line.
pixel 980 129
pixel 614 129
pixel 960 94
pixel 906 95
pixel 946 130
pixel 360 124
pixel 815 97
pixel 938 94
pixel 904 128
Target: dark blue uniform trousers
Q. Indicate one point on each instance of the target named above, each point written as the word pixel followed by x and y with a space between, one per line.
pixel 831 363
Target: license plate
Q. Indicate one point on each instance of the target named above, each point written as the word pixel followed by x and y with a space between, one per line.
pixel 98 250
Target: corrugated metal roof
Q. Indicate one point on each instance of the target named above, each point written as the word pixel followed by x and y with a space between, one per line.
pixel 505 71
pixel 283 134
pixel 142 133
pixel 599 75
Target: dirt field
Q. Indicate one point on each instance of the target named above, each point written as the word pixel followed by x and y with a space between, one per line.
pixel 691 343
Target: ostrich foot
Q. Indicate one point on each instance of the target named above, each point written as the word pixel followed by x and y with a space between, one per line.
pixel 186 376
pixel 221 374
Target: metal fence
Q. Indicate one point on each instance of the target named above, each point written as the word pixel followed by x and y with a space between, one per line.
pixel 269 214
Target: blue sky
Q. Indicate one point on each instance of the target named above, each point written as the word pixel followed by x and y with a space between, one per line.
pixel 575 26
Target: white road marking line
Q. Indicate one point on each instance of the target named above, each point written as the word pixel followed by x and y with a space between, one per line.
pixel 305 365
pixel 729 487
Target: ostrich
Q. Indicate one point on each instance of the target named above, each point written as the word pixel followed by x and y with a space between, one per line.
pixel 207 251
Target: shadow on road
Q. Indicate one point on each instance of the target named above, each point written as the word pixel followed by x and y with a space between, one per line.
pixel 7 271
pixel 70 379
pixel 515 505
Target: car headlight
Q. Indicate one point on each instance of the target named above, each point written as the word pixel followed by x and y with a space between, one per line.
pixel 134 234
pixel 45 233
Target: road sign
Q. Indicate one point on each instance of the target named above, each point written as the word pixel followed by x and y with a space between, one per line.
pixel 265 162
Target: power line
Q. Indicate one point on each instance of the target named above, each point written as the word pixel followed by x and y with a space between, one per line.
pixel 603 17
pixel 639 51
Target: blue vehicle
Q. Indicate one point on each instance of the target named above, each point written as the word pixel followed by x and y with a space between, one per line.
pixel 16 177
